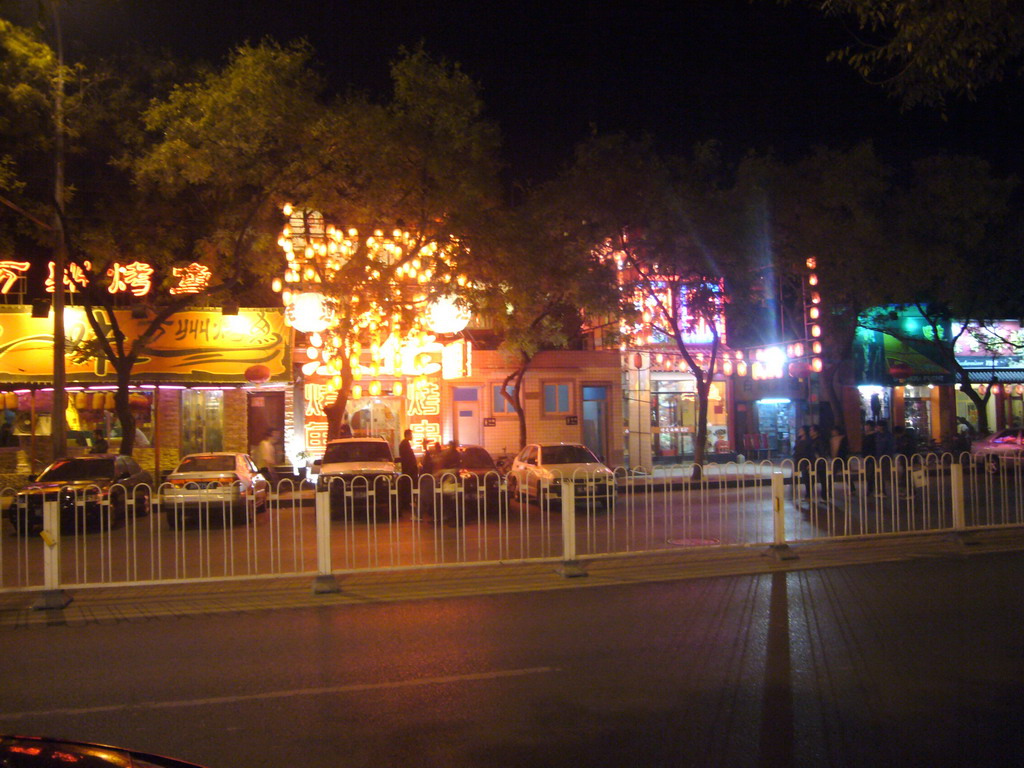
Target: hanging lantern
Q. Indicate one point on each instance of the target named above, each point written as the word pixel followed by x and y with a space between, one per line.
pixel 374 388
pixel 727 367
pixel 11 401
pixel 741 368
pixel 816 365
pixel 110 402
pixel 98 400
pixel 81 400
pixel 357 391
pixel 397 389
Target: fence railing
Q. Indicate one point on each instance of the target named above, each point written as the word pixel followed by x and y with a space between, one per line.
pixel 89 536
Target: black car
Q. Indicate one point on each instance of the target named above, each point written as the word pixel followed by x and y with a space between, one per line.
pixel 94 491
pixel 34 752
pixel 475 478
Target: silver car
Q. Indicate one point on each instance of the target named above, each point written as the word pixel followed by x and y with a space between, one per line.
pixel 224 483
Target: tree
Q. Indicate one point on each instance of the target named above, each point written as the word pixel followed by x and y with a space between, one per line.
pixel 923 50
pixel 949 216
pixel 675 237
pixel 407 176
pixel 538 286
pixel 829 206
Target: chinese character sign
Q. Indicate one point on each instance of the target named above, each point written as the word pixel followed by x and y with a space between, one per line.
pixel 424 399
pixel 136 277
pixel 10 271
pixel 191 279
pixel 74 277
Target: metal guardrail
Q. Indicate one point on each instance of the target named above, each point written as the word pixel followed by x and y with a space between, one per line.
pixel 399 522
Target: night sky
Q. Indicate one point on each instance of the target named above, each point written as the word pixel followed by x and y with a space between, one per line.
pixel 751 74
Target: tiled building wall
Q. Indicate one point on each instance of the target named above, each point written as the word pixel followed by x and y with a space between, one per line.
pixel 579 368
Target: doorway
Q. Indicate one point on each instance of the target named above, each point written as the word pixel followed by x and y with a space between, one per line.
pixel 595 420
pixel 467 414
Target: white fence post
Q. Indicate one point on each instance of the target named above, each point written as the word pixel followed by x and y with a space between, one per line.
pixel 570 566
pixel 52 596
pixel 325 581
pixel 779 546
pixel 956 487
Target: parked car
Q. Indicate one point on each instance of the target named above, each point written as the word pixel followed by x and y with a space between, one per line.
pixel 93 490
pixel 357 468
pixel 36 752
pixel 540 469
pixel 475 476
pixel 1004 446
pixel 228 483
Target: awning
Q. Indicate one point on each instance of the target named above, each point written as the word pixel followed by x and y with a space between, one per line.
pixel 1003 376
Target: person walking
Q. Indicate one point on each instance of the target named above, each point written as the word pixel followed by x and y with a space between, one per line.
pixel 266 455
pixel 407 459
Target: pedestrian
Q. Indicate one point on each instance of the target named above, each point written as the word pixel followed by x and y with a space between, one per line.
pixel 820 460
pixel 885 450
pixel 803 458
pixel 407 459
pixel 839 452
pixel 450 458
pixel 427 463
pixel 266 455
pixel 867 449
pixel 99 442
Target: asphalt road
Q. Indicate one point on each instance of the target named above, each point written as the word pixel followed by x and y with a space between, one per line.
pixel 902 663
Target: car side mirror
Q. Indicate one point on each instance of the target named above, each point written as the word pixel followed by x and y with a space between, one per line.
pixel 317 463
pixel 33 478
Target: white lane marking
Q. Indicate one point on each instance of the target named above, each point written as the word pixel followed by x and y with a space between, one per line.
pixel 355 687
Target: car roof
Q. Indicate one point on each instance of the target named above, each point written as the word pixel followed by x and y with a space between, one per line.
pixel 337 440
pixel 212 453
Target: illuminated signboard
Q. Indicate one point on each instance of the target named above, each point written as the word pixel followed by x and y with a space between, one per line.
pixel 193 346
pixel 135 277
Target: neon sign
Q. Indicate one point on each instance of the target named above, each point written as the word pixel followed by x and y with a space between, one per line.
pixel 10 271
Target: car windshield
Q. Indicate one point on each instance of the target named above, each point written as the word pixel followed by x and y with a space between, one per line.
pixel 79 469
pixel 477 458
pixel 370 450
pixel 207 464
pixel 566 454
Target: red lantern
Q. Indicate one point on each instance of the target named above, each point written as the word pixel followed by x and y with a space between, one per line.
pixel 257 374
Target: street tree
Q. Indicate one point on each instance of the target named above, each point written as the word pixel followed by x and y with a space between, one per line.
pixel 538 286
pixel 674 235
pixel 947 228
pixel 922 51
pixel 399 181
pixel 194 218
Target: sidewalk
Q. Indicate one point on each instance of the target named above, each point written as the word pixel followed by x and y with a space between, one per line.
pixel 143 603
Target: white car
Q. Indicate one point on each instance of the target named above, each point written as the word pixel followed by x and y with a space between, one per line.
pixel 228 483
pixel 540 469
pixel 357 468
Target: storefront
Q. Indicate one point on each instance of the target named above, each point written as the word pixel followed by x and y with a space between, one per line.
pixel 203 384
pixel 568 396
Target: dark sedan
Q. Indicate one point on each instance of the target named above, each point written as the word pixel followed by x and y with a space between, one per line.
pixel 94 491
pixel 475 479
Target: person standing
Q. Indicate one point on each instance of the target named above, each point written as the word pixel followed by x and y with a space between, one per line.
pixel 99 442
pixel 803 458
pixel 867 449
pixel 820 460
pixel 407 459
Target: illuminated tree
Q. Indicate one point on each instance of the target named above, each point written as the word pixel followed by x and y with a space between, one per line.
pixel 401 180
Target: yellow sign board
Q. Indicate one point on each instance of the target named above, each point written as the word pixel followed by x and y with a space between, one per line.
pixel 193 346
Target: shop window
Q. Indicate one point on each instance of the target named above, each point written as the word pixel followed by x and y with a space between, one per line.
pixel 202 421
pixel 556 399
pixel 499 404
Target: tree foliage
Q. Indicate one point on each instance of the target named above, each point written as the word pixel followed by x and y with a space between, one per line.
pixel 922 51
